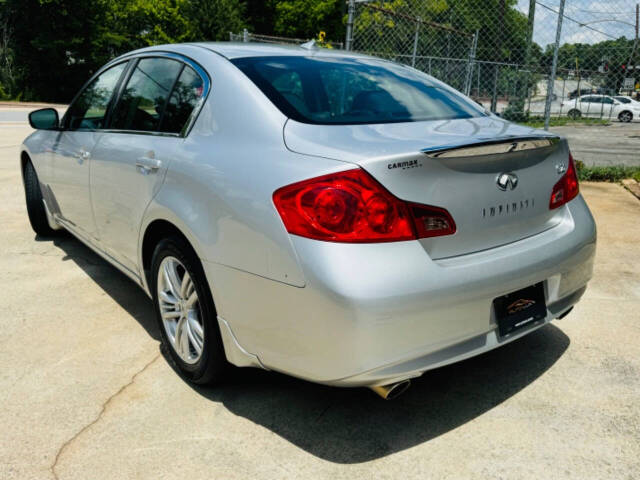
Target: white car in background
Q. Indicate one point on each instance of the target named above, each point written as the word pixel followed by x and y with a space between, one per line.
pixel 601 106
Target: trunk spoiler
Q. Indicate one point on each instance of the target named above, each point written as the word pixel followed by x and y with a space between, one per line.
pixel 491 147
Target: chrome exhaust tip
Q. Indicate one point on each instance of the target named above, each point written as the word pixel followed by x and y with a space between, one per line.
pixel 393 390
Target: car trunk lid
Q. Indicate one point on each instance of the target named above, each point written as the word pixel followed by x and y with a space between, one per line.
pixel 495 178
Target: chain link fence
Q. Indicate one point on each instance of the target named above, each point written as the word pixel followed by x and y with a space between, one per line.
pixel 247 36
pixel 520 58
pixel 526 60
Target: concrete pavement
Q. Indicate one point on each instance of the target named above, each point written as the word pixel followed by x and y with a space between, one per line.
pixel 85 392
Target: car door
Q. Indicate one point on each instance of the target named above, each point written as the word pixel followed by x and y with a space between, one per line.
pixel 608 106
pixel 145 133
pixel 71 150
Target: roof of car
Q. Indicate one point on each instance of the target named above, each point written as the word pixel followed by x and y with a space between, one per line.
pixel 231 50
pixel 236 50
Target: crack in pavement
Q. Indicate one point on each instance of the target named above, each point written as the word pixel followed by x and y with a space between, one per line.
pixel 105 405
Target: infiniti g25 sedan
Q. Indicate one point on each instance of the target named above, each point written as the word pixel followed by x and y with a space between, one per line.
pixel 337 217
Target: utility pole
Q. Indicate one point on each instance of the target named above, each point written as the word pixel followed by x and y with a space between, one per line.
pixel 635 43
pixel 524 89
pixel 554 67
pixel 351 8
pixel 530 23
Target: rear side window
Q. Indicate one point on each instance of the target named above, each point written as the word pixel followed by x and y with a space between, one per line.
pixel 185 97
pixel 342 91
pixel 145 95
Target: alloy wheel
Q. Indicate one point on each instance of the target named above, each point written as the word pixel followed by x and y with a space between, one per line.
pixel 180 310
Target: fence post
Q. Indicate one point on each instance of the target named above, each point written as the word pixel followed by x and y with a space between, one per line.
pixel 554 66
pixel 245 35
pixel 348 41
pixel 415 42
pixel 494 94
pixel 470 64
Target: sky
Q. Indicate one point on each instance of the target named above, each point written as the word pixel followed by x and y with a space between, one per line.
pixel 583 11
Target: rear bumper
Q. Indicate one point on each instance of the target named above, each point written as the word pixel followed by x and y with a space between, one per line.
pixel 376 313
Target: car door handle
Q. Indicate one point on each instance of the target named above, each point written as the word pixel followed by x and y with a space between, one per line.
pixel 148 164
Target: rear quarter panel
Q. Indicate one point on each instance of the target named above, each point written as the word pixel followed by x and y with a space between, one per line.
pixel 219 186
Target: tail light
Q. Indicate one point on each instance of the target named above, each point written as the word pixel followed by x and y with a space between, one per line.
pixel 352 207
pixel 567 187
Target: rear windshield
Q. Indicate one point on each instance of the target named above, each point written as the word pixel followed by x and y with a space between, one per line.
pixel 342 91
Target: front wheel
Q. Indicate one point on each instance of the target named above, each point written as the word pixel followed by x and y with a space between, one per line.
pixel 625 116
pixel 186 313
pixel 35 204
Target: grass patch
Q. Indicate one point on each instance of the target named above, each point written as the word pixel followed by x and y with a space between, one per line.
pixel 606 174
pixel 538 122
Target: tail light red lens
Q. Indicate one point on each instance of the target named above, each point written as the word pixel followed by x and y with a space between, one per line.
pixel 351 206
pixel 567 187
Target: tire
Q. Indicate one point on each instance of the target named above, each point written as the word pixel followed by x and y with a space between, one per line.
pixel 625 116
pixel 574 113
pixel 191 325
pixel 35 205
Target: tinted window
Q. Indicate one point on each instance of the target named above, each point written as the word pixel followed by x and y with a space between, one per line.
pixel 90 108
pixel 330 90
pixel 144 97
pixel 623 99
pixel 607 100
pixel 184 98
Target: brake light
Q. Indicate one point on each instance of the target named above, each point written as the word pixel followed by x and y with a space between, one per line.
pixel 351 206
pixel 567 187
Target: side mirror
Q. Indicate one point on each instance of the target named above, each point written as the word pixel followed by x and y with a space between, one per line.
pixel 617 103
pixel 44 119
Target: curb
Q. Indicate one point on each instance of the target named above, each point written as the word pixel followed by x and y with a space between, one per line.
pixel 24 105
pixel 633 187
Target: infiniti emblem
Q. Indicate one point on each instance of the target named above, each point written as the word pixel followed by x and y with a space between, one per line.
pixel 507 181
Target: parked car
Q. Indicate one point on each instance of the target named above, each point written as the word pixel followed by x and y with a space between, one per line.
pixel 337 217
pixel 601 106
pixel 577 93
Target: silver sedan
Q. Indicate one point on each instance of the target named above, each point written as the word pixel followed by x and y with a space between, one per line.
pixel 336 217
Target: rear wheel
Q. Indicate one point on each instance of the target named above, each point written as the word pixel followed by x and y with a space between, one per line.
pixel 35 205
pixel 186 313
pixel 625 116
pixel 574 113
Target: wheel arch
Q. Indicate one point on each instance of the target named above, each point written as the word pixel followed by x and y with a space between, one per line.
pixel 626 111
pixel 154 231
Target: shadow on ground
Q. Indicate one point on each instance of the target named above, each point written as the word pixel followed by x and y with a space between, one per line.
pixel 353 425
pixel 115 284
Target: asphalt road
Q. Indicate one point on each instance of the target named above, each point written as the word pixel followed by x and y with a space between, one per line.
pixel 86 393
pixel 615 144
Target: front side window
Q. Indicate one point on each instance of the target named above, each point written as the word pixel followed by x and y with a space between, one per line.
pixel 185 97
pixel 145 95
pixel 342 91
pixel 607 100
pixel 623 99
pixel 89 110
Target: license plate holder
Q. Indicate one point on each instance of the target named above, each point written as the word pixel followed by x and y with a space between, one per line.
pixel 521 309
